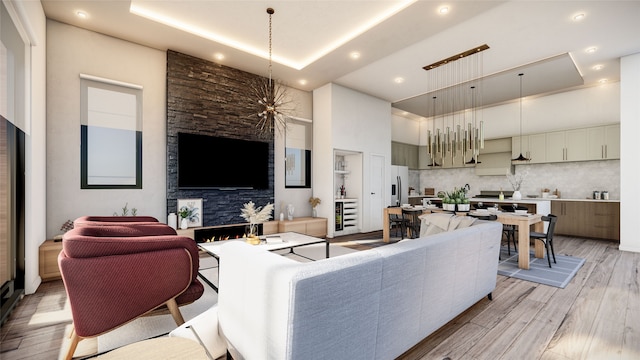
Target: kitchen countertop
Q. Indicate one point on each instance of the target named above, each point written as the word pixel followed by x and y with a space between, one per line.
pixel 510 200
pixel 526 200
pixel 586 199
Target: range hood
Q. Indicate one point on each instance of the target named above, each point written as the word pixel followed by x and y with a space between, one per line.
pixel 495 158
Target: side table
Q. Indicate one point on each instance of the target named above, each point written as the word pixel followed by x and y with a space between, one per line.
pixel 48 260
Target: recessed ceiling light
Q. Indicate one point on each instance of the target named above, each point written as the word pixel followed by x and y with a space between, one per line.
pixel 598 67
pixel 578 17
pixel 354 55
pixel 443 10
pixel 302 81
pixel 591 50
pixel 603 81
pixel 398 80
pixel 218 56
pixel 82 14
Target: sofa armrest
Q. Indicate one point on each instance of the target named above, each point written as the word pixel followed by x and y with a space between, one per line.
pixel 204 329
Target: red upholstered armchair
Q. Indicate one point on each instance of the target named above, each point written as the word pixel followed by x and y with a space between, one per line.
pixel 115 220
pixel 115 274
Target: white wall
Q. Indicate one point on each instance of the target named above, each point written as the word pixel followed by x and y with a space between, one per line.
pixel 348 120
pixel 33 21
pixel 72 51
pixel 406 130
pixel 629 130
pixel 299 198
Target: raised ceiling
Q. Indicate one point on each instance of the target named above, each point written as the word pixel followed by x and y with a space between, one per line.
pixel 313 41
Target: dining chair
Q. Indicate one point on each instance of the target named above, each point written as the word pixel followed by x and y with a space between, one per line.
pixel 412 225
pixel 398 222
pixel 547 238
pixel 510 230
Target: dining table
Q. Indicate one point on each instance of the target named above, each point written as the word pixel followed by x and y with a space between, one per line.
pixel 524 222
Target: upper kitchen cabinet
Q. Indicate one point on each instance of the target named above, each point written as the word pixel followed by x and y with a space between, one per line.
pixel 534 147
pixel 570 145
pixel 604 142
pixel 404 155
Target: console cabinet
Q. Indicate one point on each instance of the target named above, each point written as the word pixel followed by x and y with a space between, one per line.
pixel 311 226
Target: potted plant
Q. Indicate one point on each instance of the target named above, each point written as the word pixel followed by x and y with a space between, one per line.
pixel 448 202
pixel 456 200
pixel 187 214
pixel 314 201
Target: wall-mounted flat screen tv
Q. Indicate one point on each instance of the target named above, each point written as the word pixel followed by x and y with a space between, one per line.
pixel 222 163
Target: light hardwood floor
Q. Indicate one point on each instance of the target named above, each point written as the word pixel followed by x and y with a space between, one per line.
pixel 597 316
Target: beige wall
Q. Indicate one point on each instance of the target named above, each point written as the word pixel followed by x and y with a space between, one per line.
pixel 70 52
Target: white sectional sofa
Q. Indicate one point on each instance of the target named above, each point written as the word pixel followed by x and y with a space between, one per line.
pixel 373 304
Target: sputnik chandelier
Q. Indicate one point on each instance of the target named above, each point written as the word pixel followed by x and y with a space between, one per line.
pixel 273 100
pixel 457 95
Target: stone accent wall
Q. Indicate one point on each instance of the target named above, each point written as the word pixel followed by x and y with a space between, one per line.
pixel 207 98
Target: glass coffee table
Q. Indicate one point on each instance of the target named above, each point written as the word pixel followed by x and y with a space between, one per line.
pixel 273 242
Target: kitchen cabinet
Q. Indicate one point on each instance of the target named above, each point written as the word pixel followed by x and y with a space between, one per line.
pixel 604 142
pixel 592 219
pixel 534 147
pixel 570 145
pixel 404 155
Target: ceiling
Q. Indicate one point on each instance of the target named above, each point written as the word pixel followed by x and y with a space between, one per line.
pixel 314 41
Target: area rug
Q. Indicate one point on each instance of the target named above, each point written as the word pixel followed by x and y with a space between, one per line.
pixel 559 275
pixel 156 325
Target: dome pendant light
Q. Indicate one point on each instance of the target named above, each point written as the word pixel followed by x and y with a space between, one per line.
pixel 521 157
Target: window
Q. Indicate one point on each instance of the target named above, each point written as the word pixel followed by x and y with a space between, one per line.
pixel 111 134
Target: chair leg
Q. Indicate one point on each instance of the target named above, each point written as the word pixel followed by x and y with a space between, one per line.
pixel 552 252
pixel 546 244
pixel 75 339
pixel 172 305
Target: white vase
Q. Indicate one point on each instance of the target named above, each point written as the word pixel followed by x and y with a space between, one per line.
pixel 172 220
pixel 184 224
pixel 314 212
pixel 516 195
pixel 290 210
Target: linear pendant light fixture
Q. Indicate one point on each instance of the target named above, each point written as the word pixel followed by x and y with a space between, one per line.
pixel 521 157
pixel 454 81
pixel 272 98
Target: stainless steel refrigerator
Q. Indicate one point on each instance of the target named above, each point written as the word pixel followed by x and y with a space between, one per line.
pixel 399 185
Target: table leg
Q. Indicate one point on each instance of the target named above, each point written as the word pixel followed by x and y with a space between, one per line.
pixel 385 225
pixel 523 246
pixel 327 242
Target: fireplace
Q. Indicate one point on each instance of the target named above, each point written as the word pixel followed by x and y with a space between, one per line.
pixel 223 232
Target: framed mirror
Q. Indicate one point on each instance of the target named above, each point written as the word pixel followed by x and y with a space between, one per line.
pixel 111 134
pixel 298 145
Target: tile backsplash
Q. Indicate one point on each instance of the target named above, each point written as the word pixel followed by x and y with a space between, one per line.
pixel 574 180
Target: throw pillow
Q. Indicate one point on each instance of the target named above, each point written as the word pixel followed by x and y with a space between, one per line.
pixel 435 223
